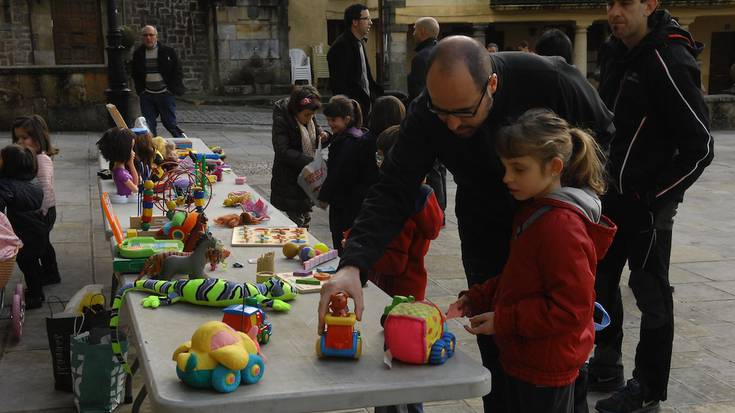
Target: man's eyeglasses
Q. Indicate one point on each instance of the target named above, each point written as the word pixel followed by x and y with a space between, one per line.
pixel 457 113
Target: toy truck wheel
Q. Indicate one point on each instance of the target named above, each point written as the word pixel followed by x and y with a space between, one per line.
pixel 225 380
pixel 438 352
pixel 358 347
pixel 451 343
pixel 264 338
pixel 253 372
pixel 319 343
pixel 17 316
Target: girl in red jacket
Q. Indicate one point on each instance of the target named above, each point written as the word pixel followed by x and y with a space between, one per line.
pixel 540 307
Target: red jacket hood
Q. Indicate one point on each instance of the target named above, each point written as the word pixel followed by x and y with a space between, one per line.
pixel 586 204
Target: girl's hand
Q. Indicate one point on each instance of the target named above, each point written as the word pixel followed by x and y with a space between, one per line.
pixel 132 157
pixel 482 324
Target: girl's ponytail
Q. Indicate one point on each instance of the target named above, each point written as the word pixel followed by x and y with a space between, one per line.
pixel 585 167
pixel 357 114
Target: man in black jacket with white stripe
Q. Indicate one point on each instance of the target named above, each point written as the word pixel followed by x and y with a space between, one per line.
pixel 650 79
pixel 469 96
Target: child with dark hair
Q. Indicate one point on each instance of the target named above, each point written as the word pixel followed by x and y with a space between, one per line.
pixel 296 136
pixel 351 168
pixel 33 133
pixel 116 146
pixel 401 269
pixel 21 198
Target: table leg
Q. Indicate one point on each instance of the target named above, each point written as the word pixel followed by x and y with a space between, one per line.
pixel 139 400
pixel 129 381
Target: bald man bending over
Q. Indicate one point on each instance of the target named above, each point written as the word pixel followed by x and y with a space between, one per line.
pixel 469 96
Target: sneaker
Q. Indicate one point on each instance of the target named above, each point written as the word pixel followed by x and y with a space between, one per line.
pixel 627 400
pixel 605 383
pixel 33 302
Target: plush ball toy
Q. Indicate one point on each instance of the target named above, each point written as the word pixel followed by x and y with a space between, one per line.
pixel 307 253
pixel 290 249
pixel 321 247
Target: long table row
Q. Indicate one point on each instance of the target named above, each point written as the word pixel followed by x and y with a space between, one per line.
pixel 295 380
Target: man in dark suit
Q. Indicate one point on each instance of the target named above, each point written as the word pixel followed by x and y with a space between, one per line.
pixel 349 70
pixel 425 33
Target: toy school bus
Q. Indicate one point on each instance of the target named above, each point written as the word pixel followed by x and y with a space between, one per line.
pixel 244 318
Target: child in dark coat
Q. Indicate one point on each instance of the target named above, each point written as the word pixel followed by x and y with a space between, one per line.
pixel 351 168
pixel 401 269
pixel 21 197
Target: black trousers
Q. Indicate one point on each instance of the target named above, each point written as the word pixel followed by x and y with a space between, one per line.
pixel 49 266
pixel 525 397
pixel 643 241
pixel 28 260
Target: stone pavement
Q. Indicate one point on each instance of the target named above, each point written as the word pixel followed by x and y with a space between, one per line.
pixel 703 366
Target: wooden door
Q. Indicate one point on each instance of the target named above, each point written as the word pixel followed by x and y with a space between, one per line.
pixel 722 56
pixel 77 32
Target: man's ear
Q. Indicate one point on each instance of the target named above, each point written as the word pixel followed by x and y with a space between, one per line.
pixel 493 84
pixel 651 6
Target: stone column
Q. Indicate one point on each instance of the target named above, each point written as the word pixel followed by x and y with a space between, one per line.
pixel 478 33
pixel 580 46
pixel 398 51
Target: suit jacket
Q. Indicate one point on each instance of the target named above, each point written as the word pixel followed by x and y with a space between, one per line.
pixel 345 71
pixel 419 65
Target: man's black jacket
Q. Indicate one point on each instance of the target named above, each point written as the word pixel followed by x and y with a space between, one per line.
pixel 345 71
pixel 484 207
pixel 168 65
pixel 662 143
pixel 417 77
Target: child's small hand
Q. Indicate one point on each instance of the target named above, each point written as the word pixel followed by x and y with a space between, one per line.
pixel 459 308
pixel 482 324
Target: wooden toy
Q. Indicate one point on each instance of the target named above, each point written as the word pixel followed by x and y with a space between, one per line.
pixel 341 338
pixel 319 259
pixel 144 247
pixel 416 332
pixel 290 278
pixel 240 180
pixel 219 357
pixel 266 236
pixel 165 265
pixel 265 267
pixel 250 320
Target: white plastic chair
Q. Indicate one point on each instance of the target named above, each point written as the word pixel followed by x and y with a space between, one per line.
pixel 300 66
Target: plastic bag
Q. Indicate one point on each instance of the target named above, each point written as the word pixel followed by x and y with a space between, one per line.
pixel 312 177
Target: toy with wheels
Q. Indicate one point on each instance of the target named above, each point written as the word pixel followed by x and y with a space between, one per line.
pixel 220 358
pixel 250 320
pixel 416 332
pixel 17 302
pixel 341 338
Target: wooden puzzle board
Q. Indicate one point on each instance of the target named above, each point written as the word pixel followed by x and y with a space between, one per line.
pixel 266 236
pixel 301 288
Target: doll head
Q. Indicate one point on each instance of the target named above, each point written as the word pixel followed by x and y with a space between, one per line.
pixel 116 145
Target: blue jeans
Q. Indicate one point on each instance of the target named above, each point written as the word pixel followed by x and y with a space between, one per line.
pixel 153 104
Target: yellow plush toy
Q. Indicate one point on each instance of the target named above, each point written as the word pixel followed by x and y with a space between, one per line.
pixel 219 357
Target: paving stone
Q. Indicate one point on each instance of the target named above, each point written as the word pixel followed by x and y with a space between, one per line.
pixel 704 384
pixel 712 270
pixel 687 293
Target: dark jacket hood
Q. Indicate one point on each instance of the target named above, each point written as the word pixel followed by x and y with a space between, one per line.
pixel 663 29
pixel 588 206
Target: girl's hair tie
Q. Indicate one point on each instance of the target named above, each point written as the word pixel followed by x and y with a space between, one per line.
pixel 305 101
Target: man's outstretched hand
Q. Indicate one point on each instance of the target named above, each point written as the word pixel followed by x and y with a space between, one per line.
pixel 347 279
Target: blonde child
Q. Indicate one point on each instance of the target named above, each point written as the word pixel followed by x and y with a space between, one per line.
pixel 540 308
pixel 33 133
pixel 116 145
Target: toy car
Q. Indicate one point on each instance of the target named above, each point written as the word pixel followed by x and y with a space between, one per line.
pixel 340 339
pixel 416 332
pixel 219 357
pixel 244 318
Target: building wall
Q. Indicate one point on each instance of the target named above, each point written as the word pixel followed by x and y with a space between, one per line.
pixel 15 35
pixel 181 24
pixel 252 45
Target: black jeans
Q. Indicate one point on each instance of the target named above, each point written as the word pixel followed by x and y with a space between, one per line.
pixel 525 397
pixel 643 241
pixel 49 267
pixel 164 104
pixel 28 260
